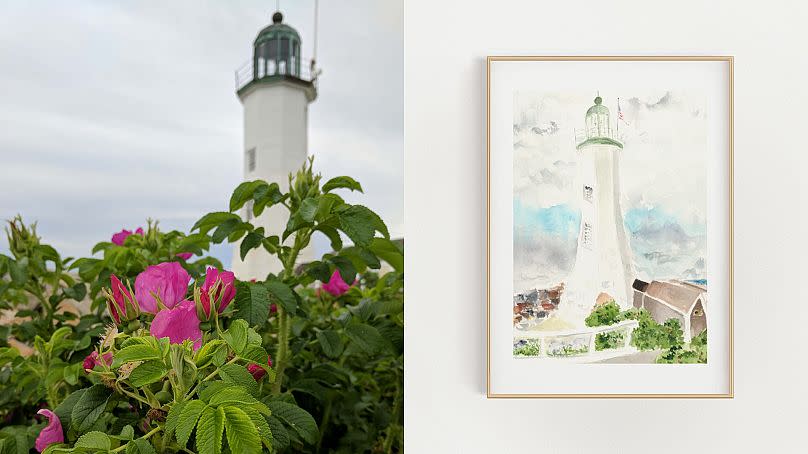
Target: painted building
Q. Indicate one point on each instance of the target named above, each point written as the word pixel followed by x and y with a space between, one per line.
pixel 603 261
pixel 680 300
pixel 275 88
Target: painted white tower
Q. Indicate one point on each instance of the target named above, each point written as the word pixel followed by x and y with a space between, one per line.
pixel 603 260
pixel 275 88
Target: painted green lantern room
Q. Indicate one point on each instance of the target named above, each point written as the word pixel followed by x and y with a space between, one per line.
pixel 598 127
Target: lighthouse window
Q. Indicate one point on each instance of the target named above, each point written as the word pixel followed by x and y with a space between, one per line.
pixel 586 235
pixel 251 159
pixel 588 193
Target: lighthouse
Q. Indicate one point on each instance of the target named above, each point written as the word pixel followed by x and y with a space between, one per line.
pixel 602 269
pixel 275 87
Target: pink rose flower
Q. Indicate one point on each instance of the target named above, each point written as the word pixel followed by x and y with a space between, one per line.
pixel 178 324
pixel 93 360
pixel 185 255
pixel 257 371
pixel 336 285
pixel 52 433
pixel 120 301
pixel 121 236
pixel 168 281
pixel 219 288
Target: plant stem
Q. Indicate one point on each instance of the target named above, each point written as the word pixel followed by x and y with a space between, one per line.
pixel 393 428
pixel 149 434
pixel 284 319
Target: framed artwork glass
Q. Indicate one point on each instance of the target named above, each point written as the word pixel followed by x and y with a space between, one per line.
pixel 609 237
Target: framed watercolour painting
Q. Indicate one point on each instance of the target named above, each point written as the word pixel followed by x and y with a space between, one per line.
pixel 609 239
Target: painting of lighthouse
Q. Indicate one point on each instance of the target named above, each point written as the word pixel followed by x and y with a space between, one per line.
pixel 609 227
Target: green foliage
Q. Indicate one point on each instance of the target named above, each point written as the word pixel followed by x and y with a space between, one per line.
pixel 529 348
pixel 610 340
pixel 606 314
pixel 695 353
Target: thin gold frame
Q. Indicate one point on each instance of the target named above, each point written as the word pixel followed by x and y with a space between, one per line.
pixel 729 60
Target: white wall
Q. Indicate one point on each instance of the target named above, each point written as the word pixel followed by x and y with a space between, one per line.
pixel 446 43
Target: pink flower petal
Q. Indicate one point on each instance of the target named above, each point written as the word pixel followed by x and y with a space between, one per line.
pixel 120 237
pixel 178 324
pixel 226 292
pixel 167 280
pixel 92 360
pixel 336 285
pixel 185 255
pixel 52 433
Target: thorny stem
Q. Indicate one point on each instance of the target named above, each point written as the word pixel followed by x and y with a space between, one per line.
pixel 301 238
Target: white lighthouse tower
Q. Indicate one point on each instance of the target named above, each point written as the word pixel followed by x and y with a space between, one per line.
pixel 275 88
pixel 603 261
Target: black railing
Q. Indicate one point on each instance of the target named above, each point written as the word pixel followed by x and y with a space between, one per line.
pixel 302 70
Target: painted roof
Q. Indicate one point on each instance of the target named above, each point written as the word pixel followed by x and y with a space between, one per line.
pixel 679 295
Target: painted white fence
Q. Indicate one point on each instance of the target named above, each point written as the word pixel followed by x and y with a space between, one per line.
pixel 574 342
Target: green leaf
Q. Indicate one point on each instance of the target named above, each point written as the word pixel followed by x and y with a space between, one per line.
pixel 333 236
pixel 140 446
pixel 239 375
pixel 280 436
pixel 18 270
pixel 264 432
pixel 187 421
pixel 342 182
pixel 173 417
pixel 224 230
pixel 65 409
pixel 236 335
pixel 89 407
pixel 347 269
pixel 252 303
pixel 296 418
pixel 147 373
pixel 308 207
pixel 285 296
pixel 138 352
pixel 330 342
pixel 196 243
pixel 244 192
pixel 365 337
pixel 250 242
pixel 242 435
pixel 232 395
pixel 94 441
pixel 205 354
pixel 211 220
pixel 209 431
pixel 127 433
pixel 389 252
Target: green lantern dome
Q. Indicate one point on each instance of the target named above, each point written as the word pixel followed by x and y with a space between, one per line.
pixel 598 127
pixel 598 108
pixel 277 30
pixel 277 50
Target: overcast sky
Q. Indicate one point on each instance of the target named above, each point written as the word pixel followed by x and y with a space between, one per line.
pixel 663 180
pixel 113 112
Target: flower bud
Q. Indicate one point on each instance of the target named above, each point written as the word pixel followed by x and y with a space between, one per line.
pixel 121 302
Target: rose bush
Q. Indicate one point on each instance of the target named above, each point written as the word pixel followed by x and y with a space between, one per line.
pixel 177 355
